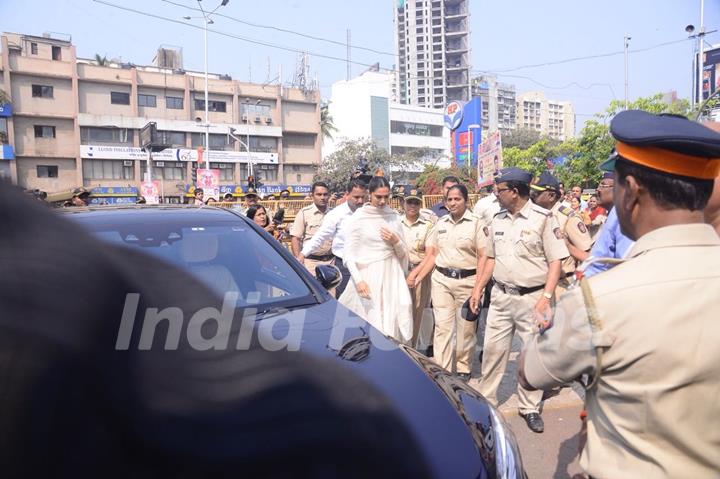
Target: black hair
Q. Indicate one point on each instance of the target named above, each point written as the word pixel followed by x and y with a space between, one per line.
pixel 462 189
pixel 228 195
pixel 523 189
pixel 198 190
pixel 252 211
pixel 378 182
pixel 319 184
pixel 355 183
pixel 669 191
pixel 449 179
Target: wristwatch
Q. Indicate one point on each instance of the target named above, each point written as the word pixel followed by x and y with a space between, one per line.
pixel 547 295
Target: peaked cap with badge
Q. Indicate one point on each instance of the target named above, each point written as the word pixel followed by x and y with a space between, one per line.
pixel 546 181
pixel 514 174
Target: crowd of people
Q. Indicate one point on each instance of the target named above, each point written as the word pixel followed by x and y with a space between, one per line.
pixel 525 260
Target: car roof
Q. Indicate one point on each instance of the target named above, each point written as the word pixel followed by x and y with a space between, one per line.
pixel 132 214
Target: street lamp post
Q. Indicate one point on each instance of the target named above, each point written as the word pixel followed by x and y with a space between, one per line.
pixel 207 21
pixel 247 143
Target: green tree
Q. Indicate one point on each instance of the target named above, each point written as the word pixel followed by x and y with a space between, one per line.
pixel 4 98
pixel 430 180
pixel 338 167
pixel 101 60
pixel 327 128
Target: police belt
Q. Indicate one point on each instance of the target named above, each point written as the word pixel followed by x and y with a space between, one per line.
pixel 516 290
pixel 319 257
pixel 455 273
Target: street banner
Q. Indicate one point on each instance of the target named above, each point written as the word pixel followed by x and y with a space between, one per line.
pixel 209 181
pixel 150 190
pixel 489 159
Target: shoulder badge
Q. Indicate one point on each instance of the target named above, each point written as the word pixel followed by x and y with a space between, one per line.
pixel 558 234
pixel 581 226
pixel 567 211
pixel 486 231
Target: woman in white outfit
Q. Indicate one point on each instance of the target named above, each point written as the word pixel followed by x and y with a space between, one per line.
pixel 377 258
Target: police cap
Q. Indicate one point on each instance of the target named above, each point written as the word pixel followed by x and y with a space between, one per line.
pixel 412 193
pixel 668 143
pixel 546 181
pixel 250 192
pixel 514 174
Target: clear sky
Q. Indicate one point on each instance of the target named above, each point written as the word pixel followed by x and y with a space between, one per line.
pixel 505 34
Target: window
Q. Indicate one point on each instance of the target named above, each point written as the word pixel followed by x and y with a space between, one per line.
pixel 89 135
pixel 295 167
pixel 298 178
pixel 56 53
pixel 107 170
pixel 147 100
pixel 33 48
pixel 263 144
pixel 213 105
pixel 227 170
pixel 47 171
pixel 172 138
pixel 174 102
pixel 217 142
pixel 267 172
pixel 171 170
pixel 251 109
pixel 42 91
pixel 44 131
pixel 119 98
pixel 304 142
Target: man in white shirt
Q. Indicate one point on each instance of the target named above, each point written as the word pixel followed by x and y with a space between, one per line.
pixel 487 207
pixel 332 228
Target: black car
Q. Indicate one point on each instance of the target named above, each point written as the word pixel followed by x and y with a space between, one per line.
pixel 459 432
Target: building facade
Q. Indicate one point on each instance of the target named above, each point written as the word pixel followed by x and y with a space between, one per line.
pixel 498 104
pixel 362 108
pixel 555 119
pixel 75 122
pixel 432 41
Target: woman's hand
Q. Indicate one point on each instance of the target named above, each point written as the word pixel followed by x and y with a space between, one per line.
pixel 270 228
pixel 363 289
pixel 411 281
pixel 389 236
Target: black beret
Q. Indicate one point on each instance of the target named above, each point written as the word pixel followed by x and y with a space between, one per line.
pixel 514 174
pixel 546 181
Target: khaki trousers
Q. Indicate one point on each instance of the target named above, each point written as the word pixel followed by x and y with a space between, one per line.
pixel 508 314
pixel 422 314
pixel 454 339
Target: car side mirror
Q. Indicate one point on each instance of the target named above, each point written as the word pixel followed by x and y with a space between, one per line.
pixel 328 275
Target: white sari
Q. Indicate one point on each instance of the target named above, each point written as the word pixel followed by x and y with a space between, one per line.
pixel 383 267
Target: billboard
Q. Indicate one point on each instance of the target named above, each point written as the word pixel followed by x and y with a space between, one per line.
pixel 209 181
pixel 466 138
pixel 489 159
pixel 711 73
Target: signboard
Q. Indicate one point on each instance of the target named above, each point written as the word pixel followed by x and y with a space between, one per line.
pixel 453 115
pixel 114 191
pixel 7 152
pixel 209 181
pixel 151 191
pixel 711 72
pixel 109 152
pixel 489 159
pixel 263 190
pixel 471 120
pixel 5 109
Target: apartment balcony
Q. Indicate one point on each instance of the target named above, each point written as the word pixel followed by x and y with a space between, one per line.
pixel 456 47
pixel 453 12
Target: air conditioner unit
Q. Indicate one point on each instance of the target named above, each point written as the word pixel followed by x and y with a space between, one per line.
pixel 160 164
pixel 127 163
pixel 244 118
pixel 257 119
pixel 268 120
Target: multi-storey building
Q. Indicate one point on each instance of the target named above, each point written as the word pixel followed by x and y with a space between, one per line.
pixel 75 122
pixel 363 108
pixel 498 104
pixel 433 51
pixel 555 119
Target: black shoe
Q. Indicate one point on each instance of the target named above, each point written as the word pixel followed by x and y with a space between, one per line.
pixel 429 352
pixel 534 422
pixel 465 377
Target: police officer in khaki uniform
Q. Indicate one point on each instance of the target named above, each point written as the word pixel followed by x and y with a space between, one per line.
pixel 307 221
pixel 545 192
pixel 416 230
pixel 525 251
pixel 457 254
pixel 646 331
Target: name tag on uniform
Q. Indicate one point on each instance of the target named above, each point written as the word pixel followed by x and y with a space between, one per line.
pixel 442 231
pixel 499 233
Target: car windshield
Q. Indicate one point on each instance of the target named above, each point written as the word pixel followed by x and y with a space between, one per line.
pixel 229 257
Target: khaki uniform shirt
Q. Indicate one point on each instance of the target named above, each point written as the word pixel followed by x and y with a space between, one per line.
pixel 524 246
pixel 486 208
pixel 458 244
pixel 416 234
pixel 574 231
pixel 307 222
pixel 654 410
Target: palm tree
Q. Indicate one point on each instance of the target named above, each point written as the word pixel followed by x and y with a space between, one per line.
pixel 326 122
pixel 101 60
